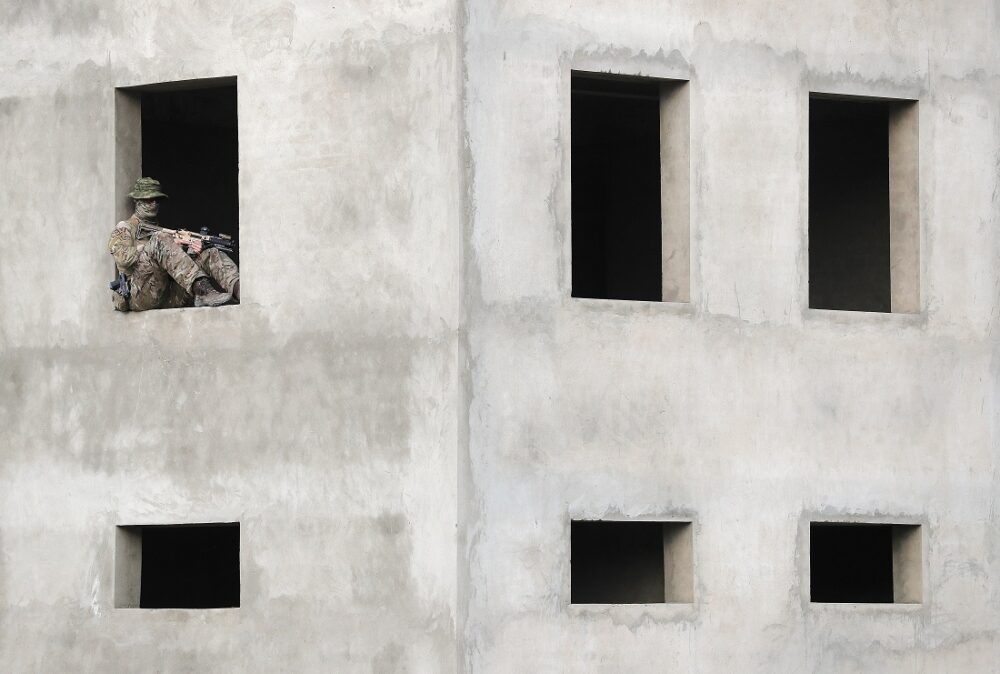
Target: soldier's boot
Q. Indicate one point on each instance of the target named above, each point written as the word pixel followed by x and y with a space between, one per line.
pixel 207 296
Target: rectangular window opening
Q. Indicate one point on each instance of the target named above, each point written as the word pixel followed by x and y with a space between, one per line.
pixel 630 188
pixel 185 135
pixel 178 566
pixel 631 562
pixel 863 205
pixel 851 563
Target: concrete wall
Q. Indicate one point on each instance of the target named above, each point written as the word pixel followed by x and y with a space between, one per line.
pixel 407 356
pixel 320 414
pixel 743 410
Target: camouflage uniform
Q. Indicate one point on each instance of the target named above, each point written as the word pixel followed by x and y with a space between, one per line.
pixel 160 273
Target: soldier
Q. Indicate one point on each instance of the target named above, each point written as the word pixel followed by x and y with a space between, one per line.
pixel 160 274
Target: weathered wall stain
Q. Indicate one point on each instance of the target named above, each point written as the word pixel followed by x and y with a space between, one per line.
pixel 265 31
pixel 8 104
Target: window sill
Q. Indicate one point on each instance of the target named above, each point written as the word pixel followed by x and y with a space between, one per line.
pixel 868 609
pixel 631 613
pixel 624 307
pixel 866 318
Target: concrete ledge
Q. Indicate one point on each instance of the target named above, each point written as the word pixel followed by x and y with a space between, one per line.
pixel 634 613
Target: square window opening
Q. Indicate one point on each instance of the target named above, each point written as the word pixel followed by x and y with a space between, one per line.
pixel 185 135
pixel 851 563
pixel 178 566
pixel 630 204
pixel 631 562
pixel 863 205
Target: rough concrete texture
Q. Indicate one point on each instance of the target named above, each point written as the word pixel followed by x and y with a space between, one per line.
pixel 428 370
pixel 743 410
pixel 334 382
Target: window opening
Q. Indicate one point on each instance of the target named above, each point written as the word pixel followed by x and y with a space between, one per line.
pixel 863 213
pixel 630 189
pixel 631 562
pixel 178 566
pixel 177 145
pixel 864 563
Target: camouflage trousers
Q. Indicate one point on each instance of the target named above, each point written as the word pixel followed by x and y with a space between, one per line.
pixel 163 275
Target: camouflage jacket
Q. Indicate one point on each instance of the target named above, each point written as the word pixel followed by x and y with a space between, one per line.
pixel 125 244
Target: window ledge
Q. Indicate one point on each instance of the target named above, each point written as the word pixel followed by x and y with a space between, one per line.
pixel 873 318
pixel 868 608
pixel 632 613
pixel 178 310
pixel 632 306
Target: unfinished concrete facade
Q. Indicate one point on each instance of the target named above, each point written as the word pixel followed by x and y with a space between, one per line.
pixel 411 408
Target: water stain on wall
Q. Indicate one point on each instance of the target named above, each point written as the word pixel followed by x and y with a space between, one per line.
pixel 267 30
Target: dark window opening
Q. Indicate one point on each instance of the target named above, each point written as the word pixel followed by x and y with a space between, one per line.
pixel 617 563
pixel 849 203
pixel 190 144
pixel 190 566
pixel 631 562
pixel 851 563
pixel 616 218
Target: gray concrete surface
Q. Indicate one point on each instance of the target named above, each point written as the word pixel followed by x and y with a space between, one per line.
pixel 742 410
pixel 414 406
pixel 335 382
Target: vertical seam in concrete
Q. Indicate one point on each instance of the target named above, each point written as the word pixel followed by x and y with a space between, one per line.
pixel 463 461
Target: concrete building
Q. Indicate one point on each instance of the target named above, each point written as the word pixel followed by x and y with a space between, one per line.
pixel 424 407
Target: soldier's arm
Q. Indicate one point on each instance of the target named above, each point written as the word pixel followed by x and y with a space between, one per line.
pixel 122 246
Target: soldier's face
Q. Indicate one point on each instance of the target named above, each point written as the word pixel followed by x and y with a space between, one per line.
pixel 147 208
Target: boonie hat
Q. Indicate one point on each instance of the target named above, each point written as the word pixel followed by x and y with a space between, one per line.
pixel 147 188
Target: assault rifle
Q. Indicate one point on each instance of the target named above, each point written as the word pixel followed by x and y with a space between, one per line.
pixel 120 286
pixel 223 242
